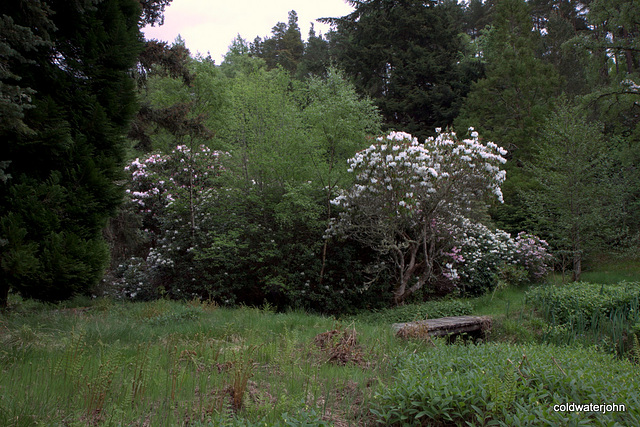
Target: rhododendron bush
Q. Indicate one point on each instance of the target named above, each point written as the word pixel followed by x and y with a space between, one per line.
pixel 481 255
pixel 211 234
pixel 173 194
pixel 412 202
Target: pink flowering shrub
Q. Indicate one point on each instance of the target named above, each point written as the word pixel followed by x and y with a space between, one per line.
pixel 485 255
pixel 532 253
pixel 172 194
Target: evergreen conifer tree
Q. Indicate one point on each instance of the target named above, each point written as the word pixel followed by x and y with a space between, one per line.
pixel 65 160
pixel 405 55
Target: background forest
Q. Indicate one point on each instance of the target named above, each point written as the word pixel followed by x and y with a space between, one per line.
pixel 184 178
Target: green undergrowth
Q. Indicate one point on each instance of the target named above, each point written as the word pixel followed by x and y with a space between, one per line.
pixel 510 385
pixel 562 304
pixel 603 315
pixel 167 363
pixel 411 312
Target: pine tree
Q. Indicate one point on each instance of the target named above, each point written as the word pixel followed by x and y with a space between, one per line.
pixel 508 104
pixel 315 60
pixel 574 195
pixel 284 47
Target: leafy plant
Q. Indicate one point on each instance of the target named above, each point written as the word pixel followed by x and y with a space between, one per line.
pixel 502 384
pixel 600 315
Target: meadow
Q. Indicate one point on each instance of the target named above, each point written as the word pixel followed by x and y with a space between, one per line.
pixel 193 363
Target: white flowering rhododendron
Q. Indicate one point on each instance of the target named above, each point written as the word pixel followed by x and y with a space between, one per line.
pixel 405 193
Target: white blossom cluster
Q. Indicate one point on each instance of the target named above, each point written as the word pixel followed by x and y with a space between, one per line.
pixel 407 176
pixel 483 248
pixel 631 85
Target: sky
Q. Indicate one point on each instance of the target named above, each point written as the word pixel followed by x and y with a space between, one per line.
pixel 209 26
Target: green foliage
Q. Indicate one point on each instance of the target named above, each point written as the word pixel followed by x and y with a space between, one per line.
pixel 601 315
pixel 412 312
pixel 507 105
pixel 405 56
pixel 500 384
pixel 573 197
pixel 509 102
pixel 65 145
pixel 254 231
pixel 285 48
pixel 562 304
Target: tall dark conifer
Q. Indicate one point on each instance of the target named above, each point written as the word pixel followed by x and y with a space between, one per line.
pixel 405 55
pixel 65 161
pixel 284 47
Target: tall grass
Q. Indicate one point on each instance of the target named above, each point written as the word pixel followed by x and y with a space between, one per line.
pixel 169 363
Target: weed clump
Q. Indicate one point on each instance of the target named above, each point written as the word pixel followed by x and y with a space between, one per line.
pixel 340 347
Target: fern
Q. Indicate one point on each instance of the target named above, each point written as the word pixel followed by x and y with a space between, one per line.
pixel 72 362
pixel 503 390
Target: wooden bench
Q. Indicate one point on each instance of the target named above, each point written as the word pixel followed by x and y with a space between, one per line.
pixel 442 326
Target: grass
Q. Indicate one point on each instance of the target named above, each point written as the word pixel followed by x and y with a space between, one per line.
pixel 169 363
pixel 605 271
pixel 502 302
pixel 163 363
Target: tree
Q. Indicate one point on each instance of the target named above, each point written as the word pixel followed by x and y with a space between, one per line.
pixel 67 156
pixel 407 196
pixel 20 40
pixel 616 24
pixel 574 192
pixel 405 56
pixel 315 60
pixel 339 121
pixel 284 47
pixel 516 91
pixel 511 100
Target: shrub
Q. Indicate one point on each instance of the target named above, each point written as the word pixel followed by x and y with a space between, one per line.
pixel 504 384
pixel 482 256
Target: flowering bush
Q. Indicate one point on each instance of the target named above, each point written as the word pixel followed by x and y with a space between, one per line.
pixel 404 192
pixel 532 253
pixel 131 281
pixel 483 252
pixel 412 202
pixel 173 193
pixel 483 255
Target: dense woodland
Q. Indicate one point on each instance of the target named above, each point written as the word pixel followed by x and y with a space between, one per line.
pixel 131 168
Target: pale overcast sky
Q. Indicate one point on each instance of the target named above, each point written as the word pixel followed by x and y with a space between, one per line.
pixel 211 25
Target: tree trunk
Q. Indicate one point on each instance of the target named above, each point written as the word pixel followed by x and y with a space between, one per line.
pixel 577 266
pixel 406 273
pixel 326 241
